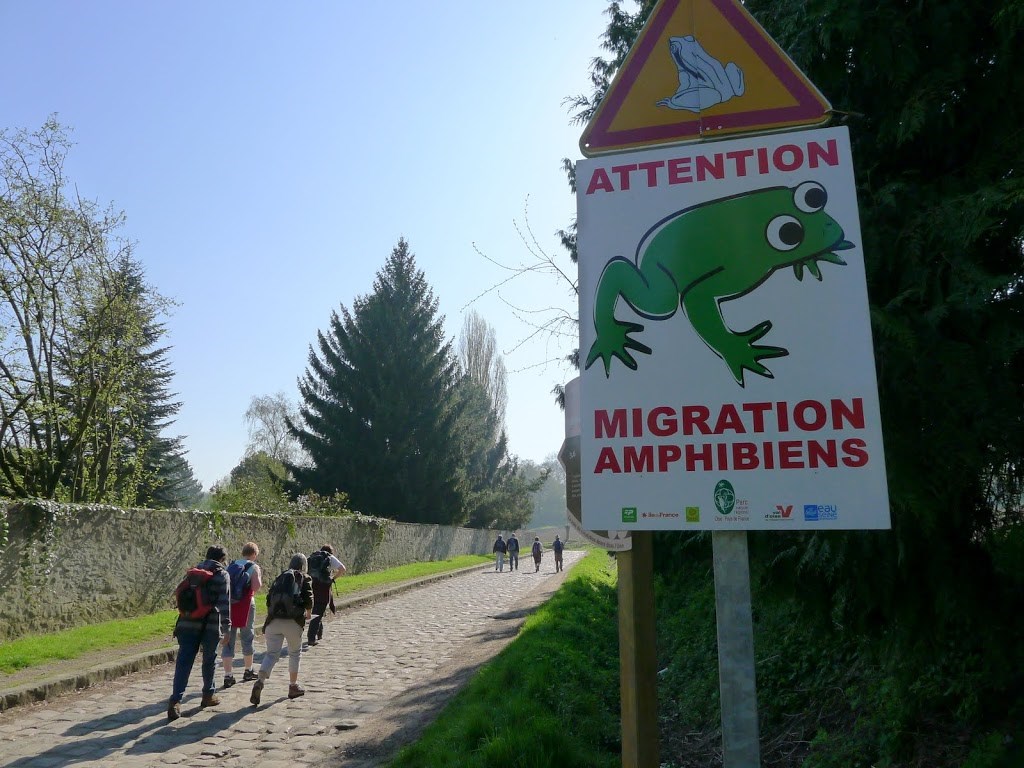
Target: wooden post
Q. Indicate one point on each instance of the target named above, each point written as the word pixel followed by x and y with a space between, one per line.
pixel 740 747
pixel 638 673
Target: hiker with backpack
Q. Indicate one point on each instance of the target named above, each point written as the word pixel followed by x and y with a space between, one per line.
pixel 538 552
pixel 246 579
pixel 513 552
pixel 557 548
pixel 203 601
pixel 289 606
pixel 324 567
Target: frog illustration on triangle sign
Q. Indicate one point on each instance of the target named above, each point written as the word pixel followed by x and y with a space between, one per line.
pixel 710 253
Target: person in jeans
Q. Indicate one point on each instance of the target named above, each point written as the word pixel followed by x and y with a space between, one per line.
pixel 499 550
pixel 323 598
pixel 243 617
pixel 278 630
pixel 203 634
pixel 513 552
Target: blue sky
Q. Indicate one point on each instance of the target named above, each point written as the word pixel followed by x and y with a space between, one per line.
pixel 269 156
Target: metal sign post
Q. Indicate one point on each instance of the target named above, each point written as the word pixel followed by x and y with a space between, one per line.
pixel 736 681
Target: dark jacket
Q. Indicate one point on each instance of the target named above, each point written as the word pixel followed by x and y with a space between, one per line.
pixel 305 597
pixel 499 546
pixel 513 545
pixel 218 620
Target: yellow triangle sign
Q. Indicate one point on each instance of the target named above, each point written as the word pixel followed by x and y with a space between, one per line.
pixel 701 69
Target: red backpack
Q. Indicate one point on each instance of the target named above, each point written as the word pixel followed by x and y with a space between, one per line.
pixel 192 595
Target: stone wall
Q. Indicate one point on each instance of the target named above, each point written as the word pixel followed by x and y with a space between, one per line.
pixel 64 566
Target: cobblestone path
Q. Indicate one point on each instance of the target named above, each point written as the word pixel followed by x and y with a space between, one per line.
pixel 380 669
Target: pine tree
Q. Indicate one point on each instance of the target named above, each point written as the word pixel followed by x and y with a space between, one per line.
pixel 379 404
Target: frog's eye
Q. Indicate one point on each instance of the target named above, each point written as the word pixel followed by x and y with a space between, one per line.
pixel 810 197
pixel 784 233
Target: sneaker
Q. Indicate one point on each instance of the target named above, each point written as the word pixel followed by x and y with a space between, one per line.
pixel 257 689
pixel 229 680
pixel 209 700
pixel 173 711
pixel 311 642
pixel 249 676
pixel 294 691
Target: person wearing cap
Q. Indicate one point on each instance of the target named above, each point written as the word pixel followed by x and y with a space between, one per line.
pixel 203 634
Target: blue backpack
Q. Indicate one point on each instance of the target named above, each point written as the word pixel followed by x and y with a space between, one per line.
pixel 238 572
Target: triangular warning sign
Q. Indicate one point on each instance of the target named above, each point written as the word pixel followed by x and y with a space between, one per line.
pixel 701 69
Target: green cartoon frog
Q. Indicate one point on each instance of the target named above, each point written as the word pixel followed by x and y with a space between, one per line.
pixel 714 252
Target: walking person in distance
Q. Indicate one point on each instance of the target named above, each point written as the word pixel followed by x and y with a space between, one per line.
pixel 557 547
pixel 537 551
pixel 513 552
pixel 499 549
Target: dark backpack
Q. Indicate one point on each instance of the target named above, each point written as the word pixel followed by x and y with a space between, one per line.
pixel 192 595
pixel 283 599
pixel 240 579
pixel 319 564
pixel 557 546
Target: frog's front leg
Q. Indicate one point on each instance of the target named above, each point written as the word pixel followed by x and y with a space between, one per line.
pixel 738 350
pixel 651 292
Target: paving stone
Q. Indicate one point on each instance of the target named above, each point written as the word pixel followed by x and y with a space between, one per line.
pixel 369 655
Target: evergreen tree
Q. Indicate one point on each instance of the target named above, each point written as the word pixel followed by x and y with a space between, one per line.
pixel 380 408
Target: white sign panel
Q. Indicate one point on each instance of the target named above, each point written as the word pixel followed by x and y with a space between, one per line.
pixel 729 379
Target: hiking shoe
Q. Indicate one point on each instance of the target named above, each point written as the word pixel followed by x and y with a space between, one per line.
pixel 209 700
pixel 257 689
pixel 249 675
pixel 294 691
pixel 173 711
pixel 311 642
pixel 229 680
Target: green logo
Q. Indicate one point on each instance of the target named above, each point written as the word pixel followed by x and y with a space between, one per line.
pixel 693 514
pixel 725 497
pixel 629 514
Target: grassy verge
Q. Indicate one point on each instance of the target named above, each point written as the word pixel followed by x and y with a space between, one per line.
pixel 362 581
pixel 36 650
pixel 550 698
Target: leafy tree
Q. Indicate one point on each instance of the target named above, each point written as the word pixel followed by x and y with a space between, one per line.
pixel 267 418
pixel 254 486
pixel 549 499
pixel 499 495
pixel 80 382
pixel 380 406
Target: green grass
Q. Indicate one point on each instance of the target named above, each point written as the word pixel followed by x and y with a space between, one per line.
pixel 551 698
pixel 347 584
pixel 37 650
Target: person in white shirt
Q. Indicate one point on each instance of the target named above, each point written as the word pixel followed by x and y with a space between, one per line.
pixel 324 567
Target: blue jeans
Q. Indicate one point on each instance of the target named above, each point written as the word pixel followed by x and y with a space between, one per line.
pixel 513 560
pixel 189 645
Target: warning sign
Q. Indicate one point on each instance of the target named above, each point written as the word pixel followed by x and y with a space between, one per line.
pixel 701 69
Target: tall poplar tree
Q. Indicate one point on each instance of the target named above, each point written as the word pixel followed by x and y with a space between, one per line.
pixel 379 406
